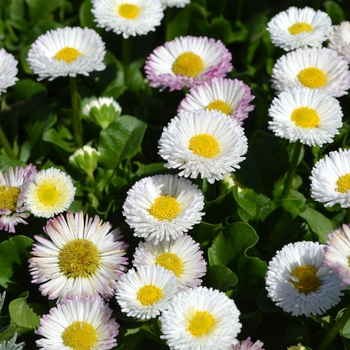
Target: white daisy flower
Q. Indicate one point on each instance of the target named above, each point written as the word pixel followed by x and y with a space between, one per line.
pixel 339 39
pixel 187 61
pixel 309 115
pixel 204 143
pixel 145 293
pixel 297 27
pixel 66 51
pixel 128 17
pixel 78 323
pixel 249 345
pixel 79 258
pixel 229 96
pixel 337 253
pixel 8 70
pixel 182 256
pixel 200 318
pixel 13 189
pixel 330 179
pixel 51 192
pixel 297 281
pixel 163 207
pixel 175 3
pixel 315 68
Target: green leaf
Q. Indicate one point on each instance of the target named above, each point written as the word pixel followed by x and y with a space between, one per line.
pixel 335 12
pixel 220 277
pixel 52 136
pixel 40 8
pixel 85 15
pixel 121 140
pixel 178 26
pixel 26 88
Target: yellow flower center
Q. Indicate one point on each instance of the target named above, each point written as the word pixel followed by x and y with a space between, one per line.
pixel 48 194
pixel 300 27
pixel 149 294
pixel 165 208
pixel 8 197
pixel 79 258
pixel 68 54
pixel 80 335
pixel 204 145
pixel 307 280
pixel 221 106
pixel 343 183
pixel 312 78
pixel 201 323
pixel 189 64
pixel 170 262
pixel 129 11
pixel 305 117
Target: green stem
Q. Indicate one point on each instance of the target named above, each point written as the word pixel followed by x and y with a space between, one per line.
pixel 75 112
pixel 97 191
pixel 167 18
pixel 337 327
pixel 291 171
pixel 126 62
pixel 6 144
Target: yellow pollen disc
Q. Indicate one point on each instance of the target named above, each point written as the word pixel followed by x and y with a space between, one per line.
pixel 343 183
pixel 313 78
pixel 221 106
pixel 149 294
pixel 80 335
pixel 129 11
pixel 204 145
pixel 170 262
pixel 79 258
pixel 165 208
pixel 8 197
pixel 300 27
pixel 68 54
pixel 308 282
pixel 189 64
pixel 305 117
pixel 201 323
pixel 48 194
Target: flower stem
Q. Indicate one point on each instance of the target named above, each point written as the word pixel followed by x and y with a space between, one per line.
pixel 97 191
pixel 126 62
pixel 167 17
pixel 75 112
pixel 6 144
pixel 337 327
pixel 291 171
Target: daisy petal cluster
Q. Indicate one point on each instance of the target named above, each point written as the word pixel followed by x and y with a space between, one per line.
pixel 129 18
pixel 314 68
pixel 182 256
pixel 8 70
pixel 81 257
pixel 229 96
pixel 187 61
pixel 339 39
pixel 297 281
pixel 175 3
pixel 204 143
pixel 295 28
pixel 249 345
pixel 330 179
pixel 13 189
pixel 66 52
pixel 200 318
pixel 78 323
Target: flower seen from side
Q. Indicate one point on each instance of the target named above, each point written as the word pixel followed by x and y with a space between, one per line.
pixel 85 158
pixel 330 179
pixel 310 116
pixel 81 257
pixel 249 345
pixel 182 256
pixel 339 39
pixel 200 318
pixel 80 323
pixel 229 96
pixel 163 207
pixel 203 143
pixel 8 70
pixel 51 192
pixel 66 52
pixel 129 18
pixel 145 293
pixel 297 281
pixel 314 68
pixel 187 61
pixel 13 189
pixel 299 27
